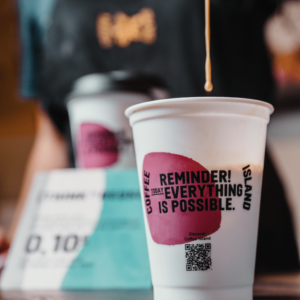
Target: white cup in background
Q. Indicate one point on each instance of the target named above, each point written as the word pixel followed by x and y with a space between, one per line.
pixel 101 134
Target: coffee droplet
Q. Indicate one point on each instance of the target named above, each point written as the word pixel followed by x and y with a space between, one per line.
pixel 208 86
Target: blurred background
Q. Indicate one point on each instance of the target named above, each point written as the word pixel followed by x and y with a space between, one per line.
pixel 18 118
pixel 46 45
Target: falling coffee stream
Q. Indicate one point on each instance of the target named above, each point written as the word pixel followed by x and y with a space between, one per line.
pixel 208 84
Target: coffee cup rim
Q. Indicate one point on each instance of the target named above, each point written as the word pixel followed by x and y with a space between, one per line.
pixel 164 103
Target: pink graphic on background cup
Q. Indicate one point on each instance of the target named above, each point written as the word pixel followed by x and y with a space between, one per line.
pixel 176 199
pixel 97 146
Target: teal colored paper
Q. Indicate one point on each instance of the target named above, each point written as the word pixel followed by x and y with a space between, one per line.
pixel 116 255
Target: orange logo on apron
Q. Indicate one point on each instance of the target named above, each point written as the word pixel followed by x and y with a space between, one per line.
pixel 122 30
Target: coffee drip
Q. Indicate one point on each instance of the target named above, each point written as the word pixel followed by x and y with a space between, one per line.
pixel 208 84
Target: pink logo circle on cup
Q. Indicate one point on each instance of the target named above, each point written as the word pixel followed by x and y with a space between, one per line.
pixel 180 199
pixel 97 146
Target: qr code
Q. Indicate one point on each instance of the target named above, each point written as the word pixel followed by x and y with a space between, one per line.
pixel 198 257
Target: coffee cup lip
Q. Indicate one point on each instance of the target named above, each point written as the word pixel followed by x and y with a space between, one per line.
pixel 165 103
pixel 120 81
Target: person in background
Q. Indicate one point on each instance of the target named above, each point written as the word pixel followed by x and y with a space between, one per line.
pixel 165 39
pixel 282 34
pixel 49 150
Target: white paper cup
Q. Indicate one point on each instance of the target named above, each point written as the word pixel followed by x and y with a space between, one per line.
pixel 200 164
pixel 101 134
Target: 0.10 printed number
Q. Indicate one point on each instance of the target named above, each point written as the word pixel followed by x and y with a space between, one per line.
pixel 67 243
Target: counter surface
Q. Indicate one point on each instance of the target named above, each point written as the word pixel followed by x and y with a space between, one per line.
pixel 273 286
